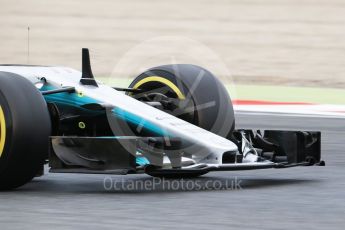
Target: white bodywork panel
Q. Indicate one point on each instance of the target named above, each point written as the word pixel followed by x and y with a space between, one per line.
pixel 213 146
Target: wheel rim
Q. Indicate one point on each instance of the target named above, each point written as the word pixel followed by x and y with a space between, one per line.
pixel 2 131
pixel 187 101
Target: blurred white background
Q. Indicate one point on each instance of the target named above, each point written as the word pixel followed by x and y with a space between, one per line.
pixel 285 42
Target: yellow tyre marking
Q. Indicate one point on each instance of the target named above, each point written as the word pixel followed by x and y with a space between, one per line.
pixel 163 81
pixel 2 131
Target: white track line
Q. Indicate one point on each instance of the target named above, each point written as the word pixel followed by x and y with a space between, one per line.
pixel 279 114
pixel 317 111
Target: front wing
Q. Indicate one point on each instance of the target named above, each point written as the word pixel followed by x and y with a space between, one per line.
pixel 158 157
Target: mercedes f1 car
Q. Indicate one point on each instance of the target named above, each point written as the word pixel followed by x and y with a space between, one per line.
pixel 172 121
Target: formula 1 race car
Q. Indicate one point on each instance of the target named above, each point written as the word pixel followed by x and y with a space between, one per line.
pixel 172 121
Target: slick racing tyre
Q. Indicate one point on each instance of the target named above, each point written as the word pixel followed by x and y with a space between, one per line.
pixel 191 93
pixel 24 131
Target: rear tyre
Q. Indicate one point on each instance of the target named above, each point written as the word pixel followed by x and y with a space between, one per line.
pixel 24 131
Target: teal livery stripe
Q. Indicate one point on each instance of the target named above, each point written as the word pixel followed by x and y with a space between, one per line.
pixel 75 100
pixel 71 99
pixel 139 121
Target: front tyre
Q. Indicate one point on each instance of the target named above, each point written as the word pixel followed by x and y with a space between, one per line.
pixel 24 130
pixel 190 93
pixel 198 96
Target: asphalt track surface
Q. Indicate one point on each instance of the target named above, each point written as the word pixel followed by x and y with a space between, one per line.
pixel 299 198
